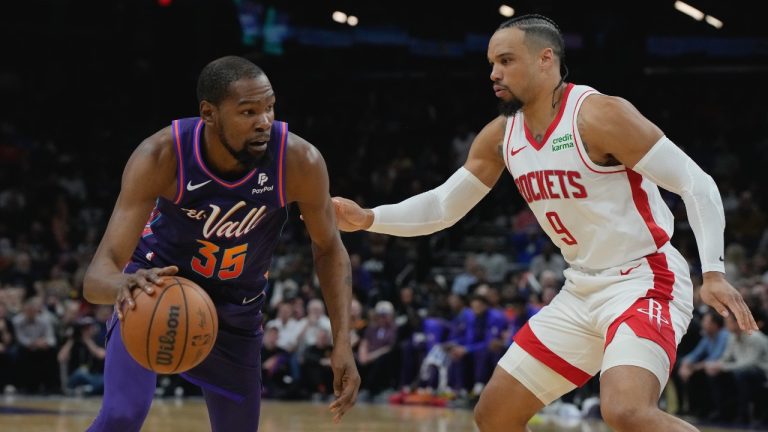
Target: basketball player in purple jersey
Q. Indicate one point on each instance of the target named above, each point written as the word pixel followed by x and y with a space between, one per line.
pixel 216 189
pixel 588 165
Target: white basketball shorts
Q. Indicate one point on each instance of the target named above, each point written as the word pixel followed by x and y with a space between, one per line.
pixel 634 314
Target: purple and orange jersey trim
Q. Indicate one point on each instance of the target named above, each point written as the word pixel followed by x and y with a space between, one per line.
pixel 179 160
pixel 153 217
pixel 210 174
pixel 281 164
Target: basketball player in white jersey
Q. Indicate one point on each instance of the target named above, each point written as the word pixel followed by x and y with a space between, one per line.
pixel 588 165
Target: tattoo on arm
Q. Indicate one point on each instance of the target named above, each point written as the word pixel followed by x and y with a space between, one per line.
pixel 500 148
pixel 348 279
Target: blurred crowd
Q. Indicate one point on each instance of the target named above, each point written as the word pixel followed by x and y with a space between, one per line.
pixel 432 315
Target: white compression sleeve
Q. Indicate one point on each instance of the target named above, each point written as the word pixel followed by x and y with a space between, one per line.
pixel 432 210
pixel 669 167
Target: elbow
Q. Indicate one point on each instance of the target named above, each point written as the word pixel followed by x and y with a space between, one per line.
pixel 90 288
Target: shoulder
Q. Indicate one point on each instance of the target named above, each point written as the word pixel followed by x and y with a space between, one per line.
pixel 157 148
pixel 304 161
pixel 300 151
pixel 600 111
pixel 603 105
pixel 151 169
pixel 494 130
pixel 488 143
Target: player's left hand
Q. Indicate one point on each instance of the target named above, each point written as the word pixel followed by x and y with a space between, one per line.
pixel 718 293
pixel 346 380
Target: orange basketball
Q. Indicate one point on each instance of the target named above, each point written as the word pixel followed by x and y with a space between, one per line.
pixel 172 330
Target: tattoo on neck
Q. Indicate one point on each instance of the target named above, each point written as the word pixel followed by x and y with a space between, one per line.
pixel 538 138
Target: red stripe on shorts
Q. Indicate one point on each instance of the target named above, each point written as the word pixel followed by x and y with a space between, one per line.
pixel 649 316
pixel 533 346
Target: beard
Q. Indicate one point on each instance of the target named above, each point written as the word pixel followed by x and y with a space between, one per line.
pixel 244 157
pixel 510 108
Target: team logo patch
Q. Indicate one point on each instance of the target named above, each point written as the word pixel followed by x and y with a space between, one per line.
pixel 654 311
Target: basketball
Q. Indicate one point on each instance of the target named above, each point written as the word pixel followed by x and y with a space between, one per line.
pixel 172 330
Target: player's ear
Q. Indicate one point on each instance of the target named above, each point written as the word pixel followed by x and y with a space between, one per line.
pixel 547 56
pixel 207 112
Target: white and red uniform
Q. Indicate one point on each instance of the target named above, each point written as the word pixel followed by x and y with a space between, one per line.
pixel 613 228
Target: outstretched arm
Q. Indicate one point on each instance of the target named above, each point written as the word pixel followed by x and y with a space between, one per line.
pixel 614 129
pixel 149 173
pixel 440 207
pixel 307 184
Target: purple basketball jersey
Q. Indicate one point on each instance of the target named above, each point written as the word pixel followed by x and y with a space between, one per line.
pixel 221 234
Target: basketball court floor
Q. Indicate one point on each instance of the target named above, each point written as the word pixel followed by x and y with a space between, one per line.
pixel 20 414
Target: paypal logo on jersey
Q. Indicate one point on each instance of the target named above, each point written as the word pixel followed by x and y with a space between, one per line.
pixel 263 178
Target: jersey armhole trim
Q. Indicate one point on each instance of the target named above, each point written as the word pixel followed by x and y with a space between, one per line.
pixel 281 164
pixel 179 162
pixel 505 147
pixel 593 167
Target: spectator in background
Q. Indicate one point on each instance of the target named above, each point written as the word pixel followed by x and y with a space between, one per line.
pixel 517 313
pixel 6 348
pixel 742 370
pixel 477 345
pixel 101 315
pixel 22 274
pixel 747 222
pixel 461 143
pixel 711 346
pixel 312 325
pixel 283 289
pixel 299 309
pixel 410 337
pixel 735 262
pixel 549 259
pixel 288 328
pixel 362 281
pixel 316 368
pixel 494 262
pixel 37 354
pixel 275 366
pixel 82 360
pixel 357 323
pixel 375 351
pixel 473 274
pixel 408 314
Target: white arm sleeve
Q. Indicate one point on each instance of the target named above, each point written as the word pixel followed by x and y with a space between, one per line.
pixel 432 210
pixel 669 167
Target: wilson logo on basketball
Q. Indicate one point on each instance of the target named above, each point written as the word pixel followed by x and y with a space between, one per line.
pixel 168 340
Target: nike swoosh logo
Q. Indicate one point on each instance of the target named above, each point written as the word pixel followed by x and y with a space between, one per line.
pixel 721 259
pixel 629 270
pixel 191 187
pixel 246 300
pixel 514 152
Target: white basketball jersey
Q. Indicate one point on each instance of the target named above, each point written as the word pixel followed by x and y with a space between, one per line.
pixel 599 217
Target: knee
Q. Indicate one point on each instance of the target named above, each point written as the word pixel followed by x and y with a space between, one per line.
pixel 624 417
pixel 489 418
pixel 482 414
pixel 126 418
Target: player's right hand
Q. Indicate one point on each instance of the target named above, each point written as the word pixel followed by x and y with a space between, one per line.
pixel 350 216
pixel 144 279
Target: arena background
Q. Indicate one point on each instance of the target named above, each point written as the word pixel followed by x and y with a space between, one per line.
pixel 391 103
